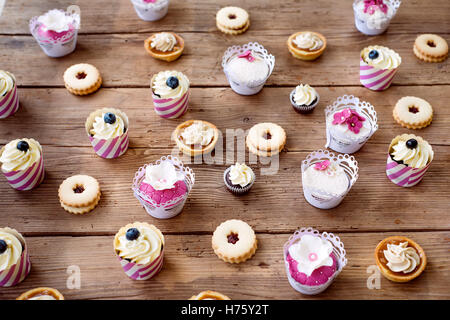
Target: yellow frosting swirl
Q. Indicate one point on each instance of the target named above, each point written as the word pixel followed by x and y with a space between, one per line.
pixel 308 41
pixel 417 157
pixel 241 174
pixel 401 258
pixel 304 95
pixel 14 159
pixel 102 130
pixel 13 250
pixel 161 88
pixel 163 41
pixel 198 133
pixel 387 58
pixel 7 81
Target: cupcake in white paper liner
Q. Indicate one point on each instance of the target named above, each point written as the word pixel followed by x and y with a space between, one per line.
pixel 327 178
pixel 18 265
pixel 313 260
pixel 56 32
pixel 372 17
pixel 163 187
pixel 350 123
pixel 247 67
pixel 151 10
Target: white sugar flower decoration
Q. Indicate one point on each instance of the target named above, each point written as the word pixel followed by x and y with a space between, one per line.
pixel 162 176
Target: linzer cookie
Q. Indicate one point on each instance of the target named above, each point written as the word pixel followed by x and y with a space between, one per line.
pixel 431 48
pixel 82 79
pixel 232 20
pixel 79 194
pixel 9 99
pixel 413 113
pixel 266 139
pixel 15 261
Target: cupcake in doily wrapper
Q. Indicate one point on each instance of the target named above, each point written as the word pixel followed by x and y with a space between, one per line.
pixel 151 10
pixel 13 244
pixel 372 17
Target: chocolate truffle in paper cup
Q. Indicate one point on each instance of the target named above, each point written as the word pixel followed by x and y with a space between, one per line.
pixel 372 17
pixel 23 164
pixel 15 264
pixel 239 178
pixel 170 93
pixel 408 160
pixel 56 32
pixel 9 99
pixel 327 178
pixel 304 98
pixel 247 67
pixel 140 248
pixel 107 130
pixel 377 67
pixel 350 123
pixel 163 187
pixel 313 260
pixel 151 10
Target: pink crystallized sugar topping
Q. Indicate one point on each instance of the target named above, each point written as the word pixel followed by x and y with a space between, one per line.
pixel 318 277
pixel 163 196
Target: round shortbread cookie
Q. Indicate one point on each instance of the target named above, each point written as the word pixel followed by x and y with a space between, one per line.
pixel 413 112
pixel 233 31
pixel 79 191
pixel 82 79
pixel 234 241
pixel 266 138
pixel 431 48
pixel 232 17
pixel 82 210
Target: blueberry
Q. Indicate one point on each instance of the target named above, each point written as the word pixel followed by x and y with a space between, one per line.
pixel 373 54
pixel 3 246
pixel 132 234
pixel 23 146
pixel 172 82
pixel 109 118
pixel 411 143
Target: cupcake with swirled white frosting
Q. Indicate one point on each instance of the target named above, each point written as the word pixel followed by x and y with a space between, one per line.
pixel 167 46
pixel 15 262
pixel 304 98
pixel 239 178
pixel 9 100
pixel 306 45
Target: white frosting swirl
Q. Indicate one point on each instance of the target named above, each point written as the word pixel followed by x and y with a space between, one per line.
pixel 241 174
pixel 14 159
pixel 332 180
pixel 161 88
pixel 102 130
pixel 387 58
pixel 7 81
pixel 401 258
pixel 13 250
pixel 304 95
pixel 57 20
pixel 163 41
pixel 418 157
pixel 162 176
pixel 198 133
pixel 43 297
pixel 308 41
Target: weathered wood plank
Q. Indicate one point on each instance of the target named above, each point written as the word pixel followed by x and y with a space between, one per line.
pixel 191 266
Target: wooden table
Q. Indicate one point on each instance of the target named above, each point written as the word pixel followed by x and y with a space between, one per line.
pixel 112 39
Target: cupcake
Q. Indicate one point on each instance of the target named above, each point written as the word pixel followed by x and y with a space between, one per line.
pixel 247 67
pixel 400 259
pixel 304 98
pixel 170 93
pixel 107 130
pixel 313 260
pixel 23 163
pixel 350 123
pixel 56 32
pixel 140 248
pixel 41 294
pixel 167 46
pixel 239 178
pixel 306 45
pixel 378 66
pixel 151 10
pixel 196 137
pixel 408 160
pixel 15 262
pixel 9 99
pixel 372 17
pixel 209 295
pixel 162 188
pixel 326 178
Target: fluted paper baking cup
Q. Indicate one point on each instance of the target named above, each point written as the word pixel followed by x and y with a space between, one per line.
pixel 303 108
pixel 237 190
pixel 9 103
pixel 374 78
pixel 18 272
pixel 142 271
pixel 402 175
pixel 151 11
pixel 108 148
pixel 170 108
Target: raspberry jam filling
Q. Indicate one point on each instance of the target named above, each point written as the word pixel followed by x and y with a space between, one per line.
pixel 233 238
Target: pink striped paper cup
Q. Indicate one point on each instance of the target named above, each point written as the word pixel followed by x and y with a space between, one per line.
pixel 374 78
pixel 142 272
pixel 108 148
pixel 171 108
pixel 9 103
pixel 28 179
pixel 18 272
pixel 402 175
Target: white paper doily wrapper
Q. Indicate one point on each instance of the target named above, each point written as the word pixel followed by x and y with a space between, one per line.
pixel 252 87
pixel 338 250
pixel 344 143
pixel 319 198
pixel 168 209
pixel 372 30
pixel 151 11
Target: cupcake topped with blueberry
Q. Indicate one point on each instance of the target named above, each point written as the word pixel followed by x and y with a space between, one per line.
pixel 108 124
pixel 20 154
pixel 169 84
pixel 411 150
pixel 381 57
pixel 304 98
pixel 10 249
pixel 239 178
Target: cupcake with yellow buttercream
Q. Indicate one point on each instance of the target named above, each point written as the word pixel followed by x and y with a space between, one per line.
pixel 304 98
pixel 9 99
pixel 15 262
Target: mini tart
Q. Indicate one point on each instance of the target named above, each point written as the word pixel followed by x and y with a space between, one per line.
pixel 305 54
pixel 399 276
pixel 41 292
pixel 209 295
pixel 82 79
pixel 165 56
pixel 191 150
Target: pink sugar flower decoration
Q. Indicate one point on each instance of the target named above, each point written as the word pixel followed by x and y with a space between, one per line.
pixel 341 117
pixel 150 1
pixel 370 6
pixel 360 117
pixel 354 124
pixel 323 165
pixel 247 55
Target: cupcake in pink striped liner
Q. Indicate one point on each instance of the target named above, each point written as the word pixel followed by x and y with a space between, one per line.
pixel 372 17
pixel 9 99
pixel 56 32
pixel 140 248
pixel 313 260
pixel 107 130
pixel 377 67
pixel 15 264
pixel 408 160
pixel 170 93
pixel 163 187
pixel 23 164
